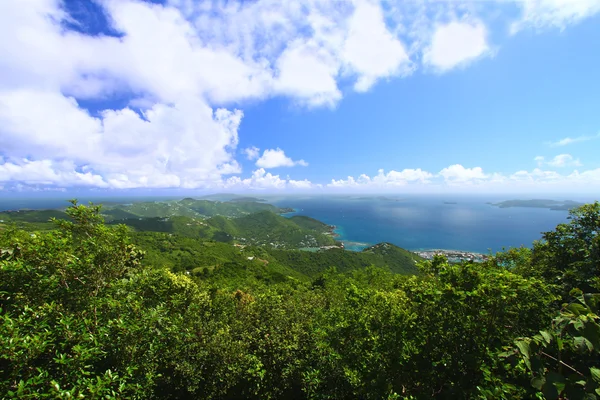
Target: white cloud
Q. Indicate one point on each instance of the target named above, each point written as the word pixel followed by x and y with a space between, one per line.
pixel 276 158
pixel 457 174
pixel 569 140
pixel 48 172
pixel 178 65
pixel 252 153
pixel 261 179
pixel 383 180
pixel 309 73
pixel 564 160
pixel 197 149
pixel 554 13
pixel 559 161
pixel 455 44
pixel 303 184
pixel 370 49
pixel 536 176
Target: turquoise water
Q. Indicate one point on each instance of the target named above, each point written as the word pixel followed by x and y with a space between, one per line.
pixel 427 222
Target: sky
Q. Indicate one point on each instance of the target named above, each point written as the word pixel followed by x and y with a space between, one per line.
pixel 399 96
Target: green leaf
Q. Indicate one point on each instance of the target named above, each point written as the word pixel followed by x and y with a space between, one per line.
pixel 583 344
pixel 524 348
pixel 577 309
pixel 538 382
pixel 547 336
pixel 595 372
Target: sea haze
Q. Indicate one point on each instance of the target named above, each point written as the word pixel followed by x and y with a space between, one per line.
pixel 432 222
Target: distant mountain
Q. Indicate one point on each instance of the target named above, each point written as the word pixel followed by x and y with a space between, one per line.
pixel 189 207
pixel 539 203
pixel 221 197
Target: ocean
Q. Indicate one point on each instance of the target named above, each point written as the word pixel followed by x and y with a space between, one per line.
pixel 428 222
pixel 465 223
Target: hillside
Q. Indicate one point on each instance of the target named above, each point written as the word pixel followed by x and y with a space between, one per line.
pixel 387 256
pixel 189 207
pixel 262 229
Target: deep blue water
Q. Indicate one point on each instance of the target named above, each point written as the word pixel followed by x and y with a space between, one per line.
pixel 419 223
pixel 412 222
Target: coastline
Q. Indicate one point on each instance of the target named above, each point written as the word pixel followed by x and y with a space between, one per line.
pixel 452 255
pixel 338 233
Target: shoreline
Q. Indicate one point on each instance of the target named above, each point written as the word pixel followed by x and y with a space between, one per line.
pixel 452 255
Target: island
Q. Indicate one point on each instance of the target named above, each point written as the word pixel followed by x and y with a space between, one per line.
pixel 556 205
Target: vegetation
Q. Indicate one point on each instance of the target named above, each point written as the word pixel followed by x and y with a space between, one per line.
pixel 189 207
pixel 260 229
pixel 84 312
pixel 238 221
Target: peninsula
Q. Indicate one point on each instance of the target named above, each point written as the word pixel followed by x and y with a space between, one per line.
pixel 540 203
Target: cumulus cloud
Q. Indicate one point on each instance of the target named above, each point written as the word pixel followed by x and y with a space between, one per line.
pixel 261 179
pixel 370 50
pixel 174 62
pixel 163 88
pixel 458 178
pixel 48 172
pixel 276 158
pixel 126 148
pixel 385 180
pixel 559 161
pixel 455 44
pixel 458 174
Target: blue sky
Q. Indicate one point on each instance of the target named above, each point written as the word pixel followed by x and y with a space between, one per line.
pixel 306 96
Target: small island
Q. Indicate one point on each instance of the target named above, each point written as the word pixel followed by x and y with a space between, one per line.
pixel 540 203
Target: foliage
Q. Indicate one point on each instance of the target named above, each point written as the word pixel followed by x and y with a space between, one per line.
pixel 569 256
pixel 564 360
pixel 84 314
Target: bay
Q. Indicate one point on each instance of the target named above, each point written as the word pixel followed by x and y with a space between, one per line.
pixel 427 222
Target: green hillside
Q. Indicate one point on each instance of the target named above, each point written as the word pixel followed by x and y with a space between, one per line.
pixel 388 256
pixel 188 207
pixel 261 229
